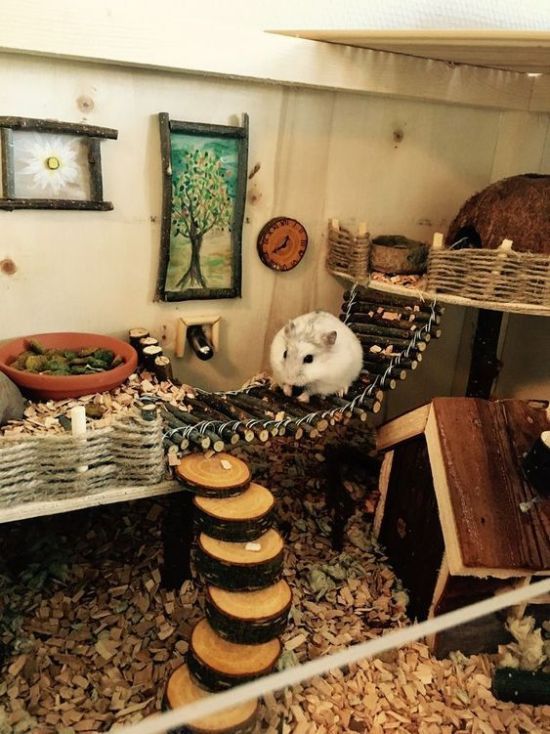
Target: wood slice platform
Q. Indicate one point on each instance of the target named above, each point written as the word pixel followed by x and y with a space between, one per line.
pixel 219 664
pixel 183 690
pixel 221 475
pixel 232 566
pixel 249 617
pixel 239 519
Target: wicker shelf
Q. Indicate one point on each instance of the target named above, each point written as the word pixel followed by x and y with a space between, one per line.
pixel 412 292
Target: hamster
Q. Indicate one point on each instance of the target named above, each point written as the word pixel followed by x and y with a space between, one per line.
pixel 315 354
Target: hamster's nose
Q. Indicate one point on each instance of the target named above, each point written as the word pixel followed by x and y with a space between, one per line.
pixel 297 390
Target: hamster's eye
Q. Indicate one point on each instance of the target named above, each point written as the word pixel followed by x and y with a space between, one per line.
pixel 308 359
pixel 285 354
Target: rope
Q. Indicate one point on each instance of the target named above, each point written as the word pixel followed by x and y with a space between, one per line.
pixel 215 703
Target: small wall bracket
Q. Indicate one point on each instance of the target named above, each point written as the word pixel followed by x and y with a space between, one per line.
pixel 211 325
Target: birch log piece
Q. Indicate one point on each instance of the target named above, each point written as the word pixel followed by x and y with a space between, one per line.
pixel 222 475
pixel 150 354
pixel 218 664
pixel 162 367
pixel 238 519
pixel 249 617
pixel 241 566
pixel 135 335
pixel 183 690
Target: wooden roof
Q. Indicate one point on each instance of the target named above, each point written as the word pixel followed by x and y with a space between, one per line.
pixel 475 449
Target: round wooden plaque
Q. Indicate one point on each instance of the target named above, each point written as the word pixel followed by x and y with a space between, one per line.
pixel 221 475
pixel 218 664
pixel 182 690
pixel 232 566
pixel 282 243
pixel 249 617
pixel 239 519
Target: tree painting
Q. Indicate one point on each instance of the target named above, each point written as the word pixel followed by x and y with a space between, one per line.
pixel 204 187
pixel 201 202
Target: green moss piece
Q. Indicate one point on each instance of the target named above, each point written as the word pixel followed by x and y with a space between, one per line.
pixel 105 355
pixel 36 347
pixel 35 363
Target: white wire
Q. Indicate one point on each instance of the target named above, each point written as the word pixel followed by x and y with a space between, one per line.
pixel 160 723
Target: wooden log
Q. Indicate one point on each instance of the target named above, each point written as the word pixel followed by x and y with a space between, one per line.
pixel 405 314
pixel 162 367
pixel 292 408
pixel 238 519
pixel 218 664
pixel 232 566
pixel 384 342
pixel 249 617
pixel 386 331
pixel 202 439
pixel 203 412
pixel 135 335
pixel 149 355
pixel 224 405
pixel 260 407
pixel 385 383
pixel 522 686
pixel 183 690
pixel 375 368
pixel 374 297
pixel 383 358
pixel 217 476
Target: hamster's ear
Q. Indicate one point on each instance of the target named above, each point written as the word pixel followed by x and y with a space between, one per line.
pixel 329 338
pixel 290 328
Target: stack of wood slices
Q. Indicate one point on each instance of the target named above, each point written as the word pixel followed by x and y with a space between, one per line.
pixel 240 559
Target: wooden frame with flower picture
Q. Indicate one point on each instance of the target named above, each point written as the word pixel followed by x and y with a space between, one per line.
pixel 48 164
pixel 204 187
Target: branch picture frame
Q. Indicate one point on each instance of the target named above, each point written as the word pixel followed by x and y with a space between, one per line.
pixel 48 164
pixel 204 189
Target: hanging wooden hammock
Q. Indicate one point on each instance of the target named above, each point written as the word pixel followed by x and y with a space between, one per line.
pixel 394 332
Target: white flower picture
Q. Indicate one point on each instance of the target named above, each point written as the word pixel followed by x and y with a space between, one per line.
pixel 50 166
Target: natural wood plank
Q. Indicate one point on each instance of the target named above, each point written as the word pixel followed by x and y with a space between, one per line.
pixel 112 34
pixel 491 530
pixel 410 530
pixel 383 483
pixel 402 428
pixel 107 497
pixel 522 51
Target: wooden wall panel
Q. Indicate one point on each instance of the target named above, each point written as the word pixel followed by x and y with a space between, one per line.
pixel 320 154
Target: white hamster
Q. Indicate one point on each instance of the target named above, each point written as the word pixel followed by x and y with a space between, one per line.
pixel 316 354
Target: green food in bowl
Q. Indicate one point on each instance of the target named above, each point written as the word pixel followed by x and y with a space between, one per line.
pixel 38 359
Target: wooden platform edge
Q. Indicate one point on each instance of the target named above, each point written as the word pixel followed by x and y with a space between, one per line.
pixel 27 510
pixel 402 428
pixel 383 484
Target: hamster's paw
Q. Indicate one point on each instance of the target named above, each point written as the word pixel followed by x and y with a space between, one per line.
pixel 287 389
pixel 303 397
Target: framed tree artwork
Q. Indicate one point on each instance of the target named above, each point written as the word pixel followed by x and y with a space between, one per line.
pixel 204 188
pixel 48 164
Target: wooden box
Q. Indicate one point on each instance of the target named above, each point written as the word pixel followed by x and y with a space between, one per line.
pixel 456 514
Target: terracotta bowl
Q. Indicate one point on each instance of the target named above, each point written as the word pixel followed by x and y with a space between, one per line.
pixel 52 387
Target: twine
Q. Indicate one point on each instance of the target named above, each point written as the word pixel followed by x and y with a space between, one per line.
pixel 45 467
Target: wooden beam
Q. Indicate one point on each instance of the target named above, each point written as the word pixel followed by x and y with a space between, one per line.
pixel 402 428
pixel 141 36
pixel 109 496
pixel 383 483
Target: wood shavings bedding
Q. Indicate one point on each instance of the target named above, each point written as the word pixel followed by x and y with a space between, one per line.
pixel 89 637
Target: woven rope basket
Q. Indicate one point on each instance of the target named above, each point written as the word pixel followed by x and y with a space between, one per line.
pixel 348 253
pixel 46 467
pixel 491 275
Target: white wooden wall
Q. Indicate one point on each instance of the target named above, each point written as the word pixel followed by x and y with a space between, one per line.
pixel 321 153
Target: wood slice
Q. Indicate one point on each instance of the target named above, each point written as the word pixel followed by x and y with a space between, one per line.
pixel 182 690
pixel 238 519
pixel 232 566
pixel 249 617
pixel 217 476
pixel 218 664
